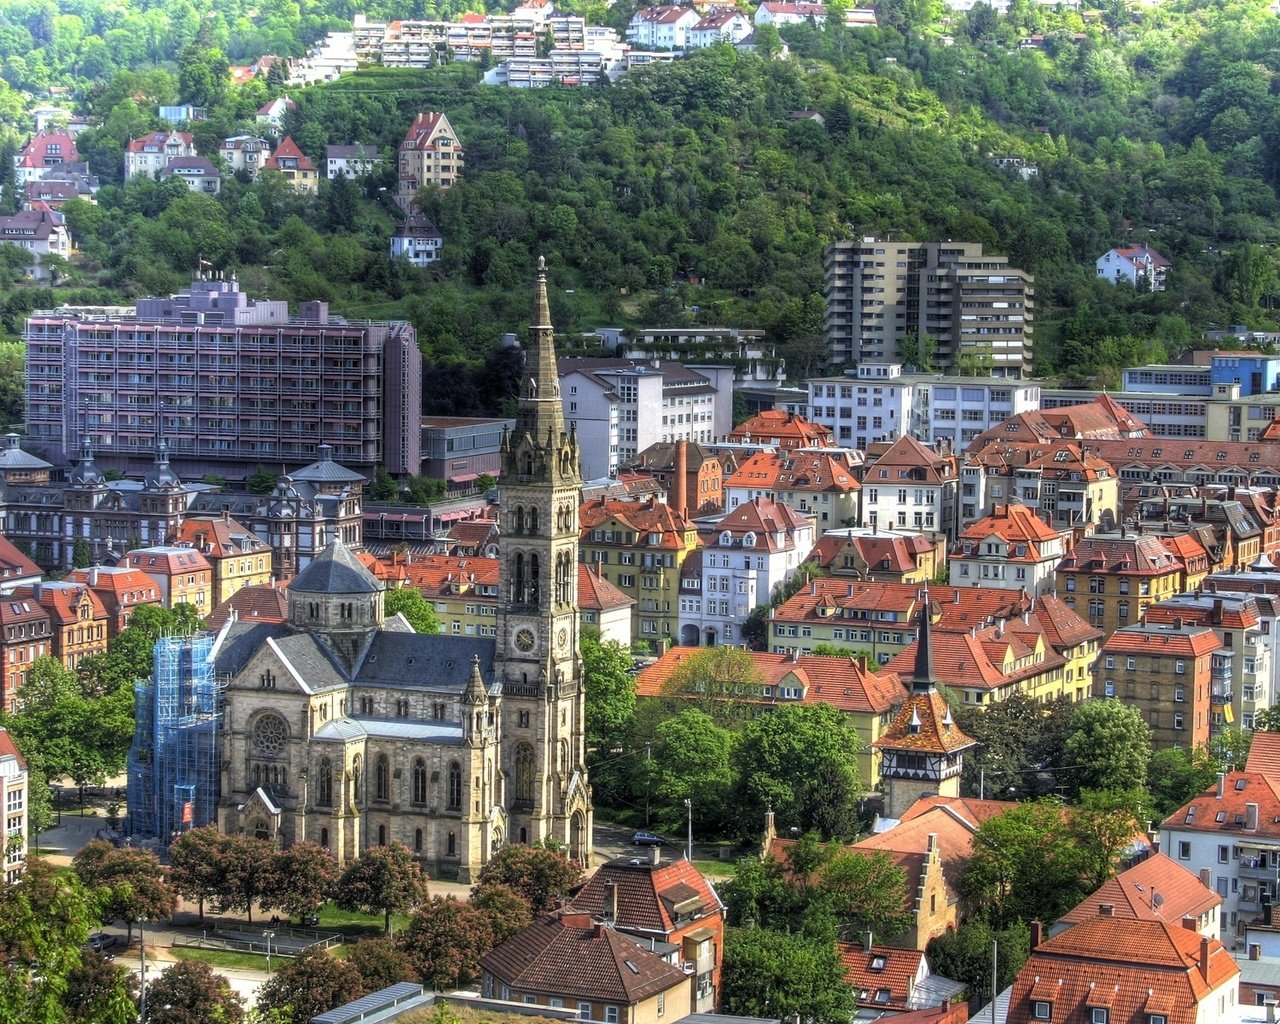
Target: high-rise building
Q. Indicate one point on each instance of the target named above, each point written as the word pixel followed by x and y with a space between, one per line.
pixel 229 382
pixel 973 306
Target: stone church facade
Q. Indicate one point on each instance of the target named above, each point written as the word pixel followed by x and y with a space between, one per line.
pixel 345 728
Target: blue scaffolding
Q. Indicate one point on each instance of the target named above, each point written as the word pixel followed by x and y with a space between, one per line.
pixel 174 763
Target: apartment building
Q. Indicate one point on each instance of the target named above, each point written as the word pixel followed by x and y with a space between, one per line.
pixel 13 772
pixel 152 153
pixel 429 154
pixel 244 154
pixel 778 429
pixel 1174 673
pixel 463 591
pixel 77 618
pixel 41 232
pixel 121 590
pixel 26 633
pixel 878 403
pixel 665 27
pixel 1011 548
pixel 182 574
pixel 1110 579
pixel 881 294
pixel 350 161
pixel 881 556
pixel 1062 483
pixel 237 556
pixel 461 448
pixel 817 481
pixel 228 381
pixel 692 477
pixel 622 406
pixel 906 485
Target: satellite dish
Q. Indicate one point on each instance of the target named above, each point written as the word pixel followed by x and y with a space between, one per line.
pixel 1157 900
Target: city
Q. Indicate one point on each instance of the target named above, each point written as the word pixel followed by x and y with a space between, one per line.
pixel 624 514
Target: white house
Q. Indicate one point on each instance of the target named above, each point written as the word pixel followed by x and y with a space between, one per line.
pixel 417 240
pixel 272 114
pixel 244 153
pixel 720 25
pixel 1140 265
pixel 42 232
pixel 151 153
pixel 197 173
pixel 13 782
pixel 745 554
pixel 771 13
pixel 665 27
pixel 350 161
pixel 1012 548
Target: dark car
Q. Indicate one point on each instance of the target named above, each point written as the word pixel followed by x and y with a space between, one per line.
pixel 647 839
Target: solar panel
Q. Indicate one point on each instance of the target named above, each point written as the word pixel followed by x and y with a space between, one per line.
pixel 370 1004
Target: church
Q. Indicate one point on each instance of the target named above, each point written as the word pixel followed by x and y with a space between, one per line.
pixel 344 727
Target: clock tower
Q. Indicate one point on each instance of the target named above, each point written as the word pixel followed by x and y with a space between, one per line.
pixel 547 792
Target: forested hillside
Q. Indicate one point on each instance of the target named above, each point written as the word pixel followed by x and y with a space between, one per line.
pixel 1158 125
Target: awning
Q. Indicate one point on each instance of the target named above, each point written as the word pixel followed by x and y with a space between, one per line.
pixel 463 478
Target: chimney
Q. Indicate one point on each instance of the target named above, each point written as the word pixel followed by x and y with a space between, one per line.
pixel 1251 817
pixel 1206 878
pixel 867 942
pixel 655 855
pixel 1106 910
pixel 1217 611
pixel 610 911
pixel 680 492
pixel 37 590
pixel 597 930
pixel 1222 784
pixel 1255 951
pixel 1189 923
pixel 1204 960
pixel 93 576
pixel 1037 934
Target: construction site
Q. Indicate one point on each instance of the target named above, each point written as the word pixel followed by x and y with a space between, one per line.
pixel 174 761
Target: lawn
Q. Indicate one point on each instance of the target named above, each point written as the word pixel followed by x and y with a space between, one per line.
pixel 225 958
pixel 353 924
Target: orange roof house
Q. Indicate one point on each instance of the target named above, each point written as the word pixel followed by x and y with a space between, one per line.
pixel 15 567
pixel 783 430
pixel 266 603
pixel 824 484
pixel 1154 889
pixel 77 616
pixel 237 556
pixel 880 556
pixel 121 590
pixel 910 486
pixel 1011 547
pixel 26 633
pixel 295 165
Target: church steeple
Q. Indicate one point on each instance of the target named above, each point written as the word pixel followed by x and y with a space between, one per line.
pixel 922 678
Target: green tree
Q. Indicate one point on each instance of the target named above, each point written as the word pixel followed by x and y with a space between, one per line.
pixel 539 874
pixel 100 992
pixel 610 691
pixel 81 554
pixel 800 759
pixel 196 865
pixel 445 941
pixel 866 893
pixel 692 761
pixel 308 985
pixel 1177 775
pixel 305 875
pixel 261 481
pixel 249 869
pixel 712 680
pixel 381 963
pixel 130 882
pixel 965 955
pixel 385 880
pixel 1109 746
pixel 188 991
pixel 772 974
pixel 417 610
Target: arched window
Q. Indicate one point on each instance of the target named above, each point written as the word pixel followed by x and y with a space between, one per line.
pixel 324 838
pixel 533 520
pixel 455 786
pixel 453 845
pixel 382 778
pixel 270 733
pixel 355 778
pixel 533 579
pixel 518 577
pixel 382 835
pixel 524 773
pixel 419 781
pixel 519 519
pixel 260 830
pixel 417 840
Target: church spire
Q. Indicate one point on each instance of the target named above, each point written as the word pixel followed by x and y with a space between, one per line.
pixel 923 679
pixel 541 416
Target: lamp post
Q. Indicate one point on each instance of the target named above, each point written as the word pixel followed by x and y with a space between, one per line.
pixel 142 970
pixel 268 935
pixel 688 849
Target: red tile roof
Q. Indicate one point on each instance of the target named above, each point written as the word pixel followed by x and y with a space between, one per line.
pixel 880 552
pixel 62 600
pixel 1133 894
pixel 289 148
pixel 157 140
pixel 218 537
pixel 10 749
pixel 925 723
pixel 908 459
pixel 790 470
pixel 882 976
pixel 425 126
pixel 1229 813
pixel 595 593
pixel 1141 555
pixel 1163 640
pixel 835 599
pixel 1142 254
pixel 442 575
pixel 126 585
pixel 264 603
pixel 36 150
pixel 646 894
pixel 14 564
pixel 566 954
pixel 643 518
pixel 1264 754
pixel 790 430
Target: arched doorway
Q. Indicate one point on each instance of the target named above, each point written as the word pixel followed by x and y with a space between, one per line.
pixel 577 837
pixel 710 637
pixel 689 635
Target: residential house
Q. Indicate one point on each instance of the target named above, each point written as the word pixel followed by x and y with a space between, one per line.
pixel 1111 578
pixel 1061 482
pixel 669 902
pixel 569 959
pixel 199 174
pixel 53 194
pixel 13 771
pixel 351 161
pixel 236 555
pixel 78 620
pixel 464 592
pixel 267 603
pixel 152 153
pixel 665 27
pixel 719 25
pixel 42 232
pixel 42 151
pixel 294 164
pixel 26 633
pixel 1123 970
pixel 429 154
pixel 244 153
pixel 748 554
pixel 1139 265
pixel 1011 548
pixel 1157 888
pixel 1102 419
pixel 880 556
pixel 821 482
pixel 16 568
pixel 640 548
pixel 906 484
pixel 703 474
pixel 1245 655
pixel 271 115
pixel 121 590
pixel 417 240
pixel 775 428
pixel 183 574
pixel 892 980
pixel 1173 675
pixel 871 700
pixel 604 606
pixel 774 12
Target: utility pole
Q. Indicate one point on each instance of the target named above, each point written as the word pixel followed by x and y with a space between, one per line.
pixel 688 849
pixel 995 979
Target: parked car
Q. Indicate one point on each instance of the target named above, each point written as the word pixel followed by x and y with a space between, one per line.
pixel 100 942
pixel 647 839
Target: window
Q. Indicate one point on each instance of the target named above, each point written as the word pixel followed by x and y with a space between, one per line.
pixel 1157 1018
pixel 584 1010
pixel 662 1004
pixel 419 781
pixel 1180 667
pixel 1179 695
pixel 1224 854
pixel 325 785
pixel 381 778
pixel 1098 1015
pixel 455 786
pixel 1184 850
pixel 1042 1010
pixel 610 1015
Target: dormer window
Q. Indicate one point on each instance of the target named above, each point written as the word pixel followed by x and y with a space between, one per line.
pixel 726 539
pixel 1098 1015
pixel 878 963
pixel 1157 1018
pixel 749 540
pixel 1042 1009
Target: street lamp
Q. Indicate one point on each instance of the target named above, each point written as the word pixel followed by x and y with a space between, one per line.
pixel 688 849
pixel 142 971
pixel 268 935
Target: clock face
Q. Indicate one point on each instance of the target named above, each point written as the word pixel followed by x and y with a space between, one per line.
pixel 525 639
pixel 562 637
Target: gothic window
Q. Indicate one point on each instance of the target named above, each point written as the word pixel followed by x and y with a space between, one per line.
pixel 257 775
pixel 419 781
pixel 355 778
pixel 518 575
pixel 564 757
pixel 455 786
pixel 382 835
pixel 453 844
pixel 533 579
pixel 417 840
pixel 325 795
pixel 381 778
pixel 524 773
pixel 270 734
pixel 260 830
pixel 533 520
pixel 324 838
pixel 519 519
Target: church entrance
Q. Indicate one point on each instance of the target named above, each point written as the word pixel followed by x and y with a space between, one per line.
pixel 577 837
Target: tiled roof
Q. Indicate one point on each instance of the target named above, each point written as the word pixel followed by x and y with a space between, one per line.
pixel 126 585
pixel 263 603
pixel 336 570
pixel 792 470
pixel 567 954
pixel 595 593
pixel 841 682
pixel 166 558
pixel 905 454
pixel 218 537
pixel 1061 627
pixel 1188 550
pixel 1229 813
pixel 442 575
pixel 645 894
pixel 14 564
pixel 836 600
pixel 10 749
pixel 62 599
pixel 1141 253
pixel 158 141
pixel 1155 889
pixel 1264 754
pixel 1016 525
pixel 661 457
pixel 990 658
pixel 909 843
pixel 289 148
pixel 1133 968
pixel 1229 611
pixel 423 129
pixel 1141 555
pixel 666 14
pixel 785 426
pixel 971 811
pixel 1245 457
pixel 1164 640
pixel 925 723
pixel 37 149
pixel 643 517
pixel 881 976
pixel 771 525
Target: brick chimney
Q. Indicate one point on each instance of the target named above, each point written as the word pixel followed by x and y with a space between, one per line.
pixel 1037 934
pixel 1106 910
pixel 1189 923
pixel 1204 960
pixel 680 485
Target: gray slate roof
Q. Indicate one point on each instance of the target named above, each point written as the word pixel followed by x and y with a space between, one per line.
pixel 335 571
pixel 342 730
pixel 324 470
pixel 417 659
pixel 13 457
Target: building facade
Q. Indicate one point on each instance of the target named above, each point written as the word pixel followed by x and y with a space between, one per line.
pixel 430 154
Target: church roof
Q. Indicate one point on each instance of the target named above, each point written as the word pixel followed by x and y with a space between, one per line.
pixel 325 471
pixel 336 570
pixel 13 457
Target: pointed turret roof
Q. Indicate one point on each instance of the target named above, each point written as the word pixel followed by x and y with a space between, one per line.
pixel 925 725
pixel 86 474
pixel 541 415
pixel 161 475
pixel 922 677
pixel 476 692
pixel 335 571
